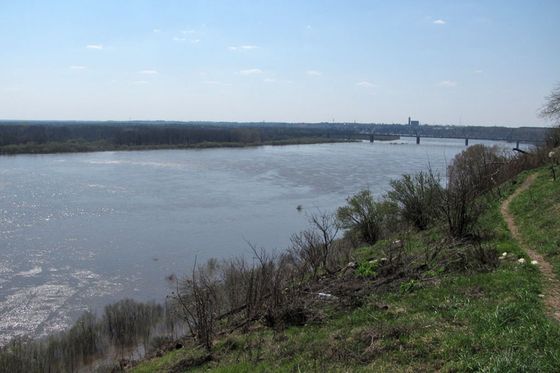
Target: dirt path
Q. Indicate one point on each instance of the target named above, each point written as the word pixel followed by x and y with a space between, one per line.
pixel 552 284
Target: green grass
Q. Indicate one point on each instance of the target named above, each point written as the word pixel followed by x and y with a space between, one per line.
pixel 162 364
pixel 491 322
pixel 537 212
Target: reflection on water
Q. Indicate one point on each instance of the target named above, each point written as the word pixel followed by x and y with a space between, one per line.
pixel 80 230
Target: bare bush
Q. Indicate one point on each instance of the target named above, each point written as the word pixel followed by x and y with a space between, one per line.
pixel 312 250
pixel 128 323
pixel 551 111
pixel 198 298
pixel 123 325
pixel 234 279
pixel 471 257
pixel 306 251
pixel 327 228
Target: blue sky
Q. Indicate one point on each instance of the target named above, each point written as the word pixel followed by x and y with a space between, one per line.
pixel 456 62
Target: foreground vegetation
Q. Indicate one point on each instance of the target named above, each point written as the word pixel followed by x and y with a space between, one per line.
pixel 537 211
pixel 468 320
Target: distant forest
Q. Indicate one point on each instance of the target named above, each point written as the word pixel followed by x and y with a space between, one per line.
pixel 51 137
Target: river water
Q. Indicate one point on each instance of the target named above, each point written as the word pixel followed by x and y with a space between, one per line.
pixel 80 230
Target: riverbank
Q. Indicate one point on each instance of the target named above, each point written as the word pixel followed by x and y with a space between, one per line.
pixel 417 297
pixel 85 147
pixel 438 321
pixel 76 138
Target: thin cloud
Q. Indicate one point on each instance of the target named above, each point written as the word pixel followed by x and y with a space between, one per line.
pixel 216 83
pixel 77 67
pixel 149 72
pixel 156 30
pixel 447 83
pixel 140 82
pixel 365 84
pixel 194 41
pixel 179 39
pixel 478 71
pixel 94 46
pixel 251 72
pixel 242 48
pixel 269 80
pixel 439 22
pixel 313 73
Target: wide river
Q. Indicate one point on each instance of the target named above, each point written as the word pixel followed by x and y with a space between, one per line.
pixel 80 230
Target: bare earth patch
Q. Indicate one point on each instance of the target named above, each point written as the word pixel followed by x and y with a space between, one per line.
pixel 552 284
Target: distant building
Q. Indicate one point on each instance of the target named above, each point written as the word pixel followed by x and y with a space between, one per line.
pixel 413 123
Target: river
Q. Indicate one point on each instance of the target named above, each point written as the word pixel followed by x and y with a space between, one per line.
pixel 80 230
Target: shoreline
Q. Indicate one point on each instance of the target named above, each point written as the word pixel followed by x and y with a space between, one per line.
pixel 91 147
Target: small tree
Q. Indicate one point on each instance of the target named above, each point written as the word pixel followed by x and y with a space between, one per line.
pixel 306 249
pixel 478 168
pixel 460 207
pixel 366 218
pixel 551 111
pixel 198 298
pixel 313 247
pixel 327 229
pixel 472 173
pixel 419 196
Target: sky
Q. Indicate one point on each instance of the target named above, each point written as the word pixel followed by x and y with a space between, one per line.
pixel 487 62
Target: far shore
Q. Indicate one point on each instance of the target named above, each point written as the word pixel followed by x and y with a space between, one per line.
pixel 88 147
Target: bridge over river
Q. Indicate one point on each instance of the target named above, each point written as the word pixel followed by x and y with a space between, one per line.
pixel 372 137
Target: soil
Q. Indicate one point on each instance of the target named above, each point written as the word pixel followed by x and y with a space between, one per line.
pixel 551 282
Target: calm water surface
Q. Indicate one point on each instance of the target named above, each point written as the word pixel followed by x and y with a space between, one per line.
pixel 80 230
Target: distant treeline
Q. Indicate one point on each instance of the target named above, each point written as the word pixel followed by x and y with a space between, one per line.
pixel 50 138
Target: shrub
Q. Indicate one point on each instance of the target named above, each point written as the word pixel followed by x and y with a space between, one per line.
pixel 477 168
pixel 315 249
pixel 367 219
pixel 472 173
pixel 200 303
pixel 418 196
pixel 367 269
pixel 461 208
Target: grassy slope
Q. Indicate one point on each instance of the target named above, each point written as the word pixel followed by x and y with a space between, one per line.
pixel 537 212
pixel 479 322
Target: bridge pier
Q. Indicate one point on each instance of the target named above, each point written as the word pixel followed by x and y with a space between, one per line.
pixel 417 140
pixel 371 138
pixel 466 141
pixel 517 144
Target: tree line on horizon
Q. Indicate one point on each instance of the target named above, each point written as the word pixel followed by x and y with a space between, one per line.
pixel 137 134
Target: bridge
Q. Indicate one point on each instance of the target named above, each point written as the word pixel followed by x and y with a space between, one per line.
pixel 372 136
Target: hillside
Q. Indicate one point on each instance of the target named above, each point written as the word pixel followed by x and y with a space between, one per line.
pixel 489 315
